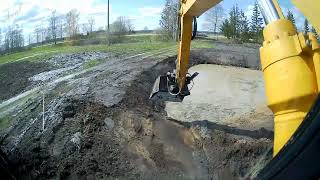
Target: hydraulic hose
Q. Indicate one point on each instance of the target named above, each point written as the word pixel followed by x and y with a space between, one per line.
pixel 195 28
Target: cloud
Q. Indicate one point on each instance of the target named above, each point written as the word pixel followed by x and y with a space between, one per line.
pixel 149 11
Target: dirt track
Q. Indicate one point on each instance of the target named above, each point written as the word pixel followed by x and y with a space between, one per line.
pixel 100 123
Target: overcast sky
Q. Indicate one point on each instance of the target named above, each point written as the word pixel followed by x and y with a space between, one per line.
pixel 30 13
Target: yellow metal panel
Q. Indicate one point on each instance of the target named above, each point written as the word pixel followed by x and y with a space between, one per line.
pixel 184 50
pixel 311 9
pixel 277 6
pixel 197 7
pixel 290 78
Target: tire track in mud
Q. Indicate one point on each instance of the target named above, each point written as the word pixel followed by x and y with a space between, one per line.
pixel 34 96
pixel 5 106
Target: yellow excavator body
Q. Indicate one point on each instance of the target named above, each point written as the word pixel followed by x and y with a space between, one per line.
pixel 290 64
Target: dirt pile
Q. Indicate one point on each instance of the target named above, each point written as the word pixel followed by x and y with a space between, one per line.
pixel 230 54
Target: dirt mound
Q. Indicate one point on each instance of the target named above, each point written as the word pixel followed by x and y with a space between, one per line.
pixel 133 138
pixel 14 77
pixel 229 54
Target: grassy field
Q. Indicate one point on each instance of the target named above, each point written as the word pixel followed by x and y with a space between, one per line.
pixel 133 45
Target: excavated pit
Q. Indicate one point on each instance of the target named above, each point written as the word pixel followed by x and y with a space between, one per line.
pixel 135 139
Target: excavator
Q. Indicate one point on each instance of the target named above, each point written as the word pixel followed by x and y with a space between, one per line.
pixel 290 62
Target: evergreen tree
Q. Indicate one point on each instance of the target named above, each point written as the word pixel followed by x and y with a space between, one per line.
pixel 313 30
pixel 234 22
pixel 306 26
pixel 244 27
pixel 226 29
pixel 256 23
pixel 291 18
pixel 236 26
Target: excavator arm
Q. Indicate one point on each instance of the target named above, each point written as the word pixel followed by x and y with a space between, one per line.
pixel 176 83
pixel 189 10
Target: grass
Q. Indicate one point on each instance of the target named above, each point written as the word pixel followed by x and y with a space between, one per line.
pixel 134 45
pixel 91 63
pixel 4 122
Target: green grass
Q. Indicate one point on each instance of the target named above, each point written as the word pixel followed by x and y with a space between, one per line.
pixel 135 44
pixel 5 122
pixel 91 63
pixel 199 44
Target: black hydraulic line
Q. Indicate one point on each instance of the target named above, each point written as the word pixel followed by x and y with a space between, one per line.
pixel 195 28
pixel 300 157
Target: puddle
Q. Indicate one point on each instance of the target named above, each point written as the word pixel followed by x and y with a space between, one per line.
pixel 221 93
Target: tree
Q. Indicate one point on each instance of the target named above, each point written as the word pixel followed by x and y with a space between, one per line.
pixel 231 27
pixel 119 28
pixel 226 29
pixel 37 32
pixel 85 28
pixel 72 19
pixel 146 28
pixel 313 30
pixel 29 39
pixel 53 29
pixel 130 26
pixel 306 26
pixel 14 40
pixel 256 23
pixel 244 27
pixel 61 26
pixel 291 18
pixel 214 18
pixel 91 23
pixel 169 19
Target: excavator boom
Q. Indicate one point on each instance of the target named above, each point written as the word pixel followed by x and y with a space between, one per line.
pixel 176 83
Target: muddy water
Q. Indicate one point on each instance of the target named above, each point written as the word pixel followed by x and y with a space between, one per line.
pixel 225 95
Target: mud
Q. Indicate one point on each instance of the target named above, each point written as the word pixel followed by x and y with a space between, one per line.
pixel 14 77
pixel 20 76
pixel 101 124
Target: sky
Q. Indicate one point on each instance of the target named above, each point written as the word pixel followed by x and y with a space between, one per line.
pixel 143 13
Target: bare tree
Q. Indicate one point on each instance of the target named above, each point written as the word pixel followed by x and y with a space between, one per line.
pixel 53 29
pixel 214 18
pixel 130 26
pixel 119 28
pixel 29 39
pixel 169 19
pixel 85 29
pixel 37 32
pixel 14 40
pixel 72 19
pixel 60 26
pixel 91 23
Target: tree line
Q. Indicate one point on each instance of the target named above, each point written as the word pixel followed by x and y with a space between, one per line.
pixel 238 27
pixel 59 27
pixel 235 25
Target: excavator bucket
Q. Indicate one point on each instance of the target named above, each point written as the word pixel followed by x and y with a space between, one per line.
pixel 160 91
pixel 159 86
pixel 165 88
